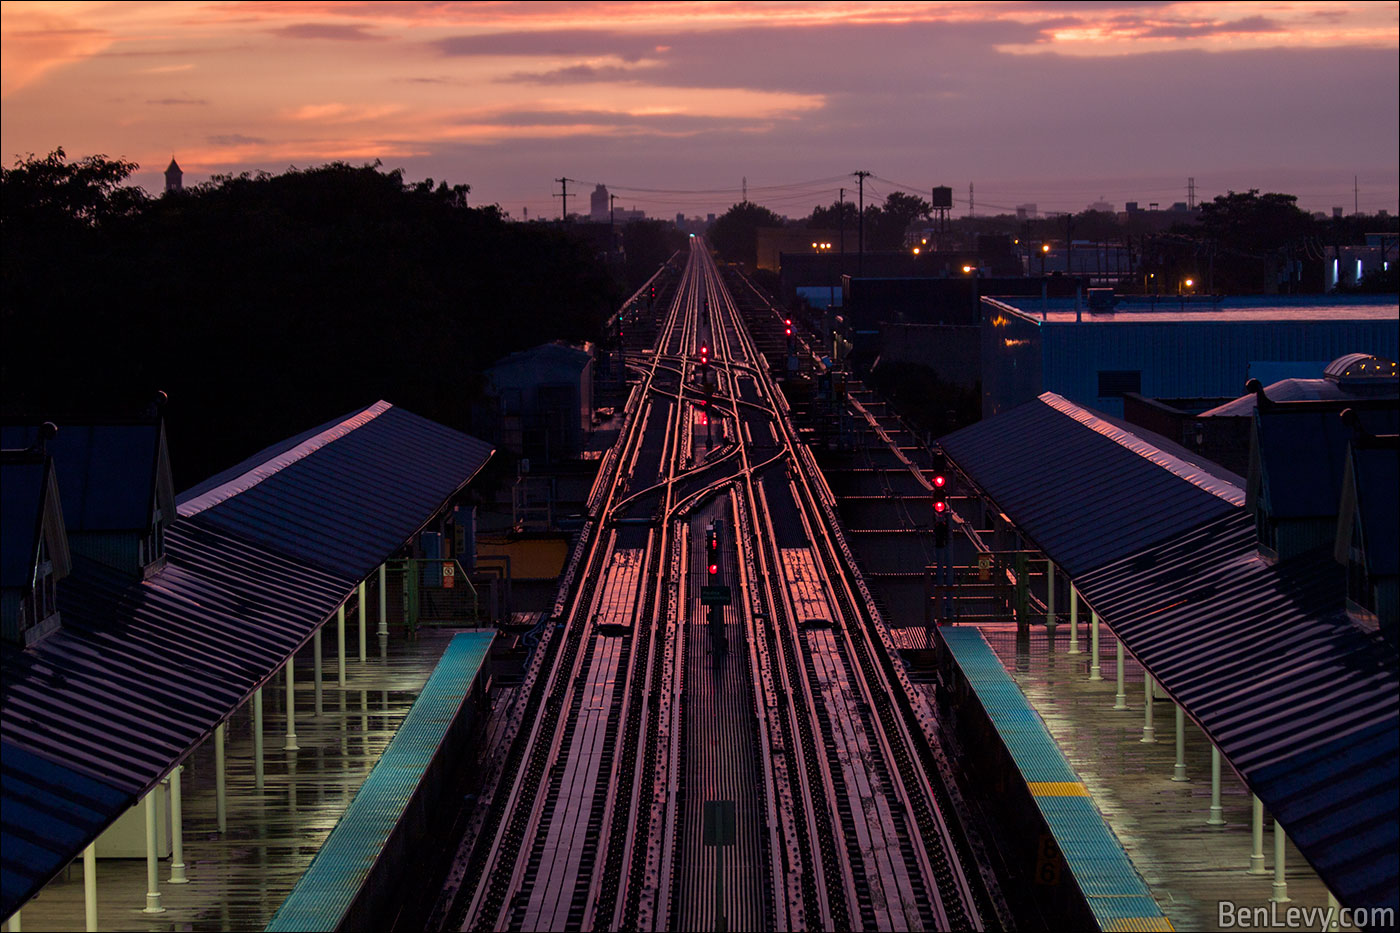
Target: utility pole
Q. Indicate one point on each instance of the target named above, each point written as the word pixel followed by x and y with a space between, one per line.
pixel 1191 193
pixel 564 197
pixel 745 189
pixel 1355 194
pixel 1069 242
pixel 860 243
pixel 841 218
pixel 971 201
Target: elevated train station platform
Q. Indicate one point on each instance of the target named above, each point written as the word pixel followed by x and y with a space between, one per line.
pixel 238 880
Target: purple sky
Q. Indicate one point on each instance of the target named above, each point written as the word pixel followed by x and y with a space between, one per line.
pixel 1055 103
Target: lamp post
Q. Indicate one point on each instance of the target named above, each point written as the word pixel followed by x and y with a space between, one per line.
pixel 1044 252
pixel 824 249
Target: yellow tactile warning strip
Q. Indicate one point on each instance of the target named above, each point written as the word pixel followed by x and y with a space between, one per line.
pixel 1057 789
pixel 1134 924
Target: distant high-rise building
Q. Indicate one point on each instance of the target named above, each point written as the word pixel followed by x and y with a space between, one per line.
pixel 1027 212
pixel 1101 205
pixel 1131 207
pixel 598 205
pixel 174 178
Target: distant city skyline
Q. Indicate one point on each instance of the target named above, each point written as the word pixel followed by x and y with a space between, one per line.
pixel 674 106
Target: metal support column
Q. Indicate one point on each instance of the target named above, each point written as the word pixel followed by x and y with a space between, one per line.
pixel 292 705
pixel 152 861
pixel 1280 895
pixel 340 635
pixel 257 740
pixel 1256 857
pixel 177 830
pixel 383 631
pixel 1095 671
pixel 1073 620
pixel 1179 769
pixel 1217 812
pixel 362 620
pixel 220 781
pixel 1050 602
pixel 90 887
pixel 1120 699
pixel 1149 732
pixel 316 669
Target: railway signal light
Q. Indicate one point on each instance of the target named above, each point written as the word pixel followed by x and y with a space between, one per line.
pixel 712 551
pixel 940 486
pixel 787 324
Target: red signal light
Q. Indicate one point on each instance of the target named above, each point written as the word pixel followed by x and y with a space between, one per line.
pixel 940 506
pixel 940 481
pixel 714 569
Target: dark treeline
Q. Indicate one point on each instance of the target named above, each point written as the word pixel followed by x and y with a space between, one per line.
pixel 266 304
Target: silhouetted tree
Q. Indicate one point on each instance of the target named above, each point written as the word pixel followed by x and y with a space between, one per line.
pixel 647 244
pixel 1254 223
pixel 831 216
pixel 734 234
pixel 890 221
pixel 267 303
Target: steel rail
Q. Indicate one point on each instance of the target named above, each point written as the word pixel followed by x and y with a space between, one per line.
pixel 963 904
pixel 823 883
pixel 484 891
pixel 931 858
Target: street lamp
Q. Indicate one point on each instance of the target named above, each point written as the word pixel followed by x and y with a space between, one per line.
pixel 824 248
pixel 1044 252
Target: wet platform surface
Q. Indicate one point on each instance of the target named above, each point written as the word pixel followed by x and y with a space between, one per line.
pixel 1189 866
pixel 238 880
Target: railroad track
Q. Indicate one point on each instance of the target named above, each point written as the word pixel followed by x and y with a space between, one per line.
pixel 640 721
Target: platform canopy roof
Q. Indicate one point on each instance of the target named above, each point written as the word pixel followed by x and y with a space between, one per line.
pixel 141 671
pixel 1303 703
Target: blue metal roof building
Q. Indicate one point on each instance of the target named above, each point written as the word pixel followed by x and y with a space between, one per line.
pixel 142 670
pixel 1303 703
pixel 1169 349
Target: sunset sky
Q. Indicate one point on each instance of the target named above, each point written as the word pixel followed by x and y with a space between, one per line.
pixel 672 104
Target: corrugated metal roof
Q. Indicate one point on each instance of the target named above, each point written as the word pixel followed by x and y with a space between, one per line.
pixel 48 808
pixel 345 498
pixel 1085 495
pixel 142 671
pixel 106 472
pixel 1305 705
